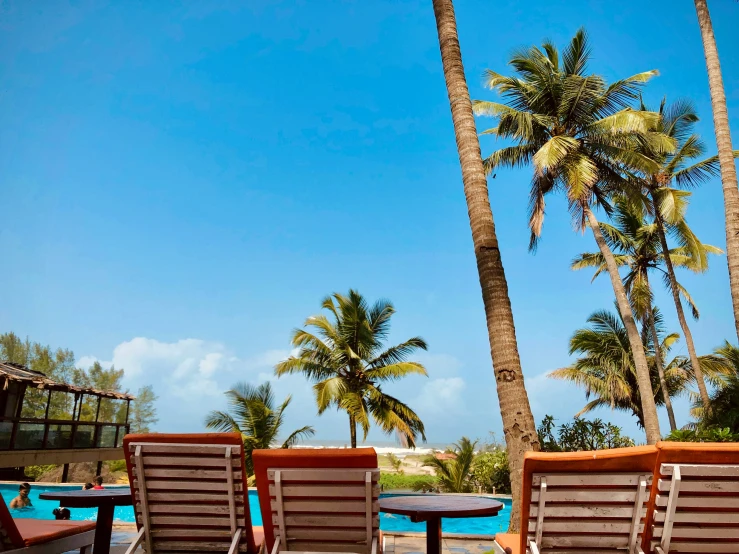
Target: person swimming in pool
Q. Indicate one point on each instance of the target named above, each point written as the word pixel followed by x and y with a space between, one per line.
pixel 22 500
pixel 87 486
pixel 98 483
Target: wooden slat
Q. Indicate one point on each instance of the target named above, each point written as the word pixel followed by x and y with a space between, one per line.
pixel 345 506
pixel 182 448
pixel 183 521
pixel 335 475
pixel 180 532
pixel 187 461
pixel 185 497
pixel 700 517
pixel 703 546
pixel 342 535
pixel 701 486
pixel 192 546
pixel 325 490
pixel 586 496
pixel 158 484
pixel 585 511
pixel 702 470
pixel 326 521
pixel 612 527
pixel 592 541
pixel 310 546
pixel 701 501
pixel 641 498
pixel 192 474
pixel 588 479
pixel 231 489
pixel 219 509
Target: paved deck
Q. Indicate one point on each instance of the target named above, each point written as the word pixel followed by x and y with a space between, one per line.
pixel 404 544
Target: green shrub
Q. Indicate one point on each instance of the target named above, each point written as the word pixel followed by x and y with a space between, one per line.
pixel 490 471
pixel 116 465
pixel 712 434
pixel 396 481
pixel 33 472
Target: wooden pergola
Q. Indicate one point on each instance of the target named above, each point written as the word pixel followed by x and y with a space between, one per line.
pixel 62 436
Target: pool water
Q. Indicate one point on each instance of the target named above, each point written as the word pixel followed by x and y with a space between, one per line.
pixel 43 509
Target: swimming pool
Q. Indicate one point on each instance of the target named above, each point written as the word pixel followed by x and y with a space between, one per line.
pixel 42 509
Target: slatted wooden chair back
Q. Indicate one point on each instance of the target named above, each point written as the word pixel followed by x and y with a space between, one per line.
pixel 189 497
pixel 587 512
pixel 696 509
pixel 325 510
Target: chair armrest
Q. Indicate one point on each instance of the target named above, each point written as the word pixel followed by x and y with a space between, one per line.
pixel 534 548
pixel 374 545
pixel 276 547
pixel 136 541
pixel 235 541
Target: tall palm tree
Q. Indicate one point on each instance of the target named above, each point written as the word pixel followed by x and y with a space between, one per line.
pixel 454 475
pixel 252 412
pixel 605 368
pixel 679 169
pixel 347 362
pixel 579 134
pixel 519 427
pixel 725 151
pixel 636 243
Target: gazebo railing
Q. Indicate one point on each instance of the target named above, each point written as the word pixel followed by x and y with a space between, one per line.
pixel 26 433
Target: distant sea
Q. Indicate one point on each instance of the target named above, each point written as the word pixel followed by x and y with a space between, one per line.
pixel 382 447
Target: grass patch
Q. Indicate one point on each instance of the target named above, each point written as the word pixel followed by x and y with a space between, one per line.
pixel 395 481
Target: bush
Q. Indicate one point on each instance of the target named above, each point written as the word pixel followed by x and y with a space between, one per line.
pixel 116 465
pixel 491 472
pixel 397 481
pixel 712 434
pixel 34 472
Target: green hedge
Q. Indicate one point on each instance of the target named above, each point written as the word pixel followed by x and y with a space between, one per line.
pixel 394 481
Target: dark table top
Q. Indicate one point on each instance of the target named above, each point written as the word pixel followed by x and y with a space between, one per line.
pixel 422 507
pixel 90 498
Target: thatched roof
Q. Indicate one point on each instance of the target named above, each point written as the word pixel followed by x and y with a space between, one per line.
pixel 31 378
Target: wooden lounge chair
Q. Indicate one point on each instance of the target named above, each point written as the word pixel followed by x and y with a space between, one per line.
pixel 584 502
pixel 42 536
pixel 696 500
pixel 319 500
pixel 190 493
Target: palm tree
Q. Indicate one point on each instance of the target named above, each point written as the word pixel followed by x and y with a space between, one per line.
pixel 454 475
pixel 725 152
pixel 252 413
pixel 723 409
pixel 669 204
pixel 636 244
pixel 346 361
pixel 519 427
pixel 579 134
pixel 605 368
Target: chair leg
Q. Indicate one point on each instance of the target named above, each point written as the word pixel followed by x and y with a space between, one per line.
pixel 86 549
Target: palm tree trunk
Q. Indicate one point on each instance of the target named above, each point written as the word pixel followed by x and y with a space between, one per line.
pixel 353 430
pixel 694 361
pixel 725 154
pixel 646 393
pixel 518 421
pixel 661 369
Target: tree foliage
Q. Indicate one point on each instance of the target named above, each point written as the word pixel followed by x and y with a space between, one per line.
pixel 252 412
pixel 345 357
pixel 454 474
pixel 580 434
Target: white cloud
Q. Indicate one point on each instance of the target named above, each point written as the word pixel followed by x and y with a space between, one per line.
pixel 441 396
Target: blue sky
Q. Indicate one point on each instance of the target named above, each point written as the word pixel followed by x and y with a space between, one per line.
pixel 184 182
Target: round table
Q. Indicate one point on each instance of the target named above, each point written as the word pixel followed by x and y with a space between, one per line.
pixel 432 507
pixel 104 500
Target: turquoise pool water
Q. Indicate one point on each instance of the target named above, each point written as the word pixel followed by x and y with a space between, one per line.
pixel 42 509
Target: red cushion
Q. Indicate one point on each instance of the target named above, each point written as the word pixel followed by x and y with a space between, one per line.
pixel 364 458
pixel 194 439
pixel 38 531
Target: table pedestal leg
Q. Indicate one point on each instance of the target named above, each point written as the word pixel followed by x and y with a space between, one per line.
pixel 433 535
pixel 103 529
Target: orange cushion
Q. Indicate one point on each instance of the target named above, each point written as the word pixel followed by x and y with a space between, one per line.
pixel 510 542
pixel 194 439
pixel 298 458
pixel 38 531
pixel 635 458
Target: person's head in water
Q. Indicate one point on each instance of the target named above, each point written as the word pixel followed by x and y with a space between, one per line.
pixel 98 482
pixel 22 500
pixel 87 486
pixel 62 513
